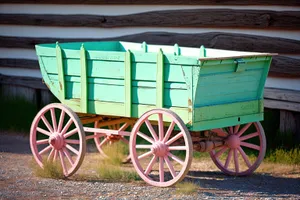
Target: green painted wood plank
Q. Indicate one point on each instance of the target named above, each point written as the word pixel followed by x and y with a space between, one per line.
pixel 227 110
pixel 263 79
pixel 61 74
pixel 128 81
pixel 83 81
pixel 225 122
pixel 160 80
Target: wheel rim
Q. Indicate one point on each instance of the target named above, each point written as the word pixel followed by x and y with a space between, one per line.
pixel 59 139
pixel 157 164
pixel 102 140
pixel 240 141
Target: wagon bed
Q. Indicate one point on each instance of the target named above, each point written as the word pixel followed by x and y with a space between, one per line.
pixel 207 88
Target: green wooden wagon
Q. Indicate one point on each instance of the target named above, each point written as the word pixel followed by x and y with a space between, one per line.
pixel 164 101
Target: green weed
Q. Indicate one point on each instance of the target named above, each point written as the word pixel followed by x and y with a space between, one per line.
pixel 50 170
pixel 283 156
pixel 186 188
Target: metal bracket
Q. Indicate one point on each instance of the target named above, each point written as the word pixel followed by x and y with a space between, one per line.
pixel 240 65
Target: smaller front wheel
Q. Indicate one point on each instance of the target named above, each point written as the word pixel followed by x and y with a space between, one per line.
pixel 161 159
pixel 57 135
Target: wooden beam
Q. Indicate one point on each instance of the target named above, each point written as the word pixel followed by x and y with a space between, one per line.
pixel 282 66
pixel 282 94
pixel 213 18
pixel 218 40
pixel 30 82
pixel 158 2
pixel 19 63
pixel 282 105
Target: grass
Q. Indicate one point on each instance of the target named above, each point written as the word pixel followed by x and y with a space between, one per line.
pixel 185 188
pixel 51 170
pixel 110 168
pixel 282 156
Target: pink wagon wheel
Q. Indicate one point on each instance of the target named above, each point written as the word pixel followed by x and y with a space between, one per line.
pixel 57 135
pixel 232 158
pixel 161 159
pixel 102 140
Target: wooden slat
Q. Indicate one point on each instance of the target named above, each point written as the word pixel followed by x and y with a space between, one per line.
pixel 282 66
pixel 282 105
pixel 282 95
pixel 128 84
pixel 218 40
pixel 160 80
pixel 158 2
pixel 83 81
pixel 214 18
pixel 19 63
pixel 35 83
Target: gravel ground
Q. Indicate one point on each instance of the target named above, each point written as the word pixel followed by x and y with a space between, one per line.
pixel 17 181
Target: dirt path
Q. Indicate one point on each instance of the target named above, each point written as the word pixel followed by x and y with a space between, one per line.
pixel 17 181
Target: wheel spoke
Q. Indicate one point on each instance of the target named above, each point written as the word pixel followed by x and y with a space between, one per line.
pixel 246 137
pixel 150 127
pixel 72 149
pixel 72 132
pixel 72 141
pixel 176 158
pixel 169 131
pixel 51 154
pixel 252 146
pixel 220 132
pixel 62 161
pixel 53 119
pixel 244 129
pixel 45 141
pixel 176 137
pixel 170 166
pixel 236 129
pixel 47 123
pixel 43 131
pixel 67 126
pixel 224 148
pixel 61 121
pixel 150 165
pixel 228 159
pixel 103 142
pixel 160 127
pixel 145 155
pixel 161 170
pixel 231 130
pixel 66 152
pixel 143 146
pixel 55 155
pixel 245 157
pixel 45 150
pixel 236 161
pixel 171 148
pixel 145 137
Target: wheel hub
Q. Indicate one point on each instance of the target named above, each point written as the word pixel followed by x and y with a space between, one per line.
pixel 159 149
pixel 233 141
pixel 56 141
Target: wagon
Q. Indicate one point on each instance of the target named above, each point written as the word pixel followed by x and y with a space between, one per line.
pixel 163 101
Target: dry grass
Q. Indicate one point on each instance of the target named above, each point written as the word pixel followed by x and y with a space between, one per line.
pixel 184 188
pixel 50 170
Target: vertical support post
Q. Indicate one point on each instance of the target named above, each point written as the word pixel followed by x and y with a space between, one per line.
pixel 128 100
pixel 83 80
pixel 160 80
pixel 263 79
pixel 61 74
pixel 144 47
pixel 202 52
pixel 176 50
